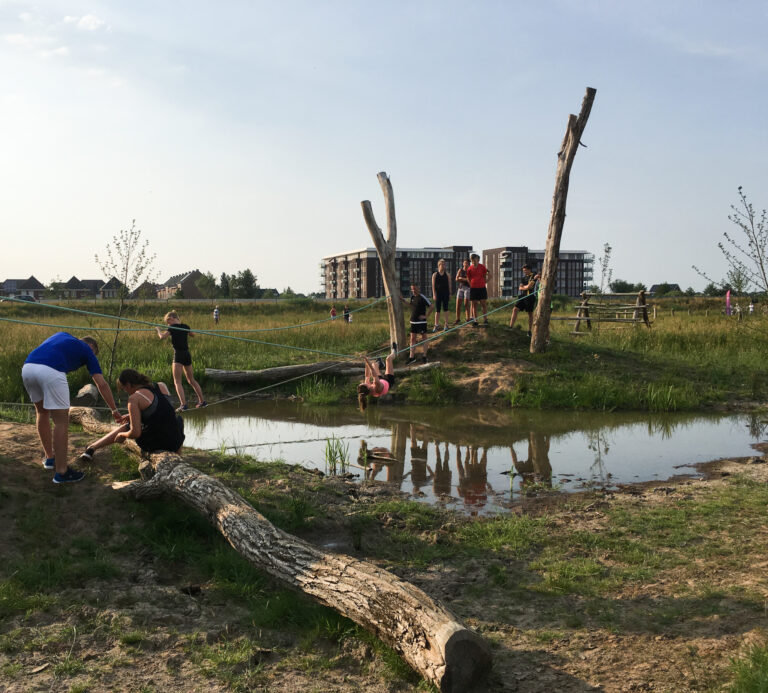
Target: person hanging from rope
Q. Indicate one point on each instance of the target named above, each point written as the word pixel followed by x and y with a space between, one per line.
pixel 182 358
pixel 151 420
pixel 376 384
pixel 45 379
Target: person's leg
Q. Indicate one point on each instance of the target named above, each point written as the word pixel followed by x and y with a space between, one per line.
pixel 188 371
pixel 108 439
pixel 389 363
pixel 412 352
pixel 530 322
pixel 177 370
pixel 459 301
pixel 60 438
pixel 43 421
pixel 484 305
pixel 512 320
pixel 425 345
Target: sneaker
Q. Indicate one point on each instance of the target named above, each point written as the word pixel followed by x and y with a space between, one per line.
pixel 394 346
pixel 424 359
pixel 200 405
pixel 474 323
pixel 183 407
pixel 457 322
pixel 68 477
pixel 436 329
pixel 49 463
pixel 410 361
pixel 528 333
pixel 381 365
pixel 87 456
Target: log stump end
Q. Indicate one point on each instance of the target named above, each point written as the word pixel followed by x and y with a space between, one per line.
pixel 467 662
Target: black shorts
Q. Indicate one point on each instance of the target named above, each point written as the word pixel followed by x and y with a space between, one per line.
pixel 442 300
pixel 478 294
pixel 389 378
pixel 419 327
pixel 182 357
pixel 170 439
pixel 527 303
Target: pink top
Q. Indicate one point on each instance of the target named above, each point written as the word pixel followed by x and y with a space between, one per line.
pixel 384 388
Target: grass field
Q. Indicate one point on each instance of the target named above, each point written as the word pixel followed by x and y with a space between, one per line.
pixel 685 362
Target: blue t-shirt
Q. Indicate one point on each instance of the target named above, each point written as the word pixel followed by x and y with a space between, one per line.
pixel 65 353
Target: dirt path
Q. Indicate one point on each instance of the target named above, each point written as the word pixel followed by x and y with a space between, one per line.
pixel 89 638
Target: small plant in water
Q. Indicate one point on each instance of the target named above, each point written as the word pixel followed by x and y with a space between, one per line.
pixel 336 455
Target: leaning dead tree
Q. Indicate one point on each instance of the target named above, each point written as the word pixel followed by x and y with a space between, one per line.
pixel 565 158
pixel 421 630
pixel 387 252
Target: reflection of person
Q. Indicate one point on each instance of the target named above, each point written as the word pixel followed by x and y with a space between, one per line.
pixel 441 293
pixel 462 292
pixel 376 384
pixel 537 468
pixel 526 298
pixel 478 292
pixel 441 478
pixel 152 422
pixel 473 478
pixel 420 310
pixel 179 333
pixel 44 374
pixel 373 459
pixel 419 456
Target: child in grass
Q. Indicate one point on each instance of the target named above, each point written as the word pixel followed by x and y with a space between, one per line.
pixel 182 359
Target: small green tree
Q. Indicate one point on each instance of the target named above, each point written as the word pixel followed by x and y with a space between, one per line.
pixel 207 285
pixel 746 255
pixel 127 258
pixel 225 288
pixel 605 268
pixel 244 284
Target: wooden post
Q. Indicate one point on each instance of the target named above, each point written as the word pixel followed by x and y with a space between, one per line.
pixel 641 304
pixel 387 252
pixel 565 159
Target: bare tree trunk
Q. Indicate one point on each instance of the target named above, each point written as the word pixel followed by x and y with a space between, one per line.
pixel 421 630
pixel 387 251
pixel 565 159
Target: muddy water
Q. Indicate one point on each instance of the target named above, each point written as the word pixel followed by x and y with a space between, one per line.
pixel 483 459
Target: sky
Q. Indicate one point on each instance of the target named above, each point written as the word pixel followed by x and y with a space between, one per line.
pixel 245 134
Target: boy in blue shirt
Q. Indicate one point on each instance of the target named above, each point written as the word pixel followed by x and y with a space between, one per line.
pixel 45 379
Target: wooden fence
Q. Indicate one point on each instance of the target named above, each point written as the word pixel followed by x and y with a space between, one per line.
pixel 609 308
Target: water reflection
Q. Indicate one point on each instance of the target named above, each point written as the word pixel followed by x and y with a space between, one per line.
pixel 480 460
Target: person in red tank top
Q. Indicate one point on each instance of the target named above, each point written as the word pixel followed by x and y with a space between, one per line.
pixel 478 293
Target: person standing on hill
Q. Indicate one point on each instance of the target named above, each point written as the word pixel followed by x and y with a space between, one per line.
pixel 182 358
pixel 462 292
pixel 478 293
pixel 333 311
pixel 45 379
pixel 420 310
pixel 441 293
pixel 526 299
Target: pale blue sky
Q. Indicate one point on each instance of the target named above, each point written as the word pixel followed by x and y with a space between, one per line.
pixel 245 134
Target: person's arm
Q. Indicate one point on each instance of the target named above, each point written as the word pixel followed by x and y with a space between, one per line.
pixel 368 368
pixel 162 333
pixel 450 284
pixel 429 310
pixel 164 389
pixel 434 289
pixel 106 393
pixel 134 420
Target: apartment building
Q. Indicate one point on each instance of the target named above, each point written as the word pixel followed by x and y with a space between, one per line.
pixel 357 274
pixel 574 270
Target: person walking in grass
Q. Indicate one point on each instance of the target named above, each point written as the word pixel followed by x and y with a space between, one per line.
pixel 44 374
pixel 478 276
pixel 152 422
pixel 441 293
pixel 376 383
pixel 420 310
pixel 333 311
pixel 182 358
pixel 526 299
pixel 216 315
pixel 462 292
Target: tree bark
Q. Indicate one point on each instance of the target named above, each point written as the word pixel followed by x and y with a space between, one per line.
pixel 420 629
pixel 387 252
pixel 565 159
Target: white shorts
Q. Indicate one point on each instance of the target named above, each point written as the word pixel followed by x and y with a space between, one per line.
pixel 463 292
pixel 46 384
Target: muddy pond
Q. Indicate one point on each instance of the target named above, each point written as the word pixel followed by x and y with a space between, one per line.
pixel 480 460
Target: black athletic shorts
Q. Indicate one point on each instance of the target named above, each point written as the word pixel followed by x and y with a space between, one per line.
pixel 170 439
pixel 442 300
pixel 478 294
pixel 182 357
pixel 389 378
pixel 527 303
pixel 419 327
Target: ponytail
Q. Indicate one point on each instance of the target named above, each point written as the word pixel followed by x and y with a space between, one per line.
pixel 362 396
pixel 129 376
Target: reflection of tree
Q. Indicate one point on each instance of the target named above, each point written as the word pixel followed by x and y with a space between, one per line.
pixel 598 443
pixel 756 425
pixel 537 469
pixel 473 478
pixel 441 478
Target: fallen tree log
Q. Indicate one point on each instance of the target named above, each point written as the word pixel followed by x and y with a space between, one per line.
pixel 274 375
pixel 428 636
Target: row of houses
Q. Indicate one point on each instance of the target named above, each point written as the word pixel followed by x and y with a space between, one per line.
pixel 184 284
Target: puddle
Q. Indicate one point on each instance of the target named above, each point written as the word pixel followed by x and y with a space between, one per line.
pixel 478 459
